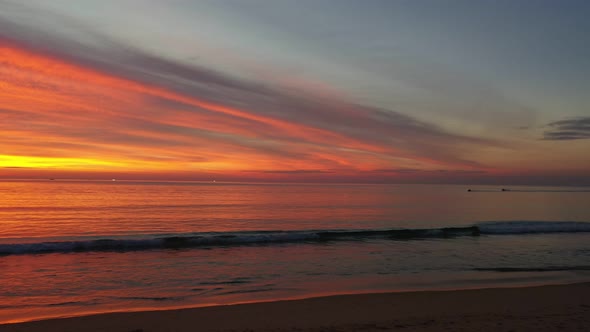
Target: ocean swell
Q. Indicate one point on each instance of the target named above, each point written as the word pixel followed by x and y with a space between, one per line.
pixel 194 240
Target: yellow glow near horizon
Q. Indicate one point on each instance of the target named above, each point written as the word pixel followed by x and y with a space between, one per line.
pixel 8 161
pixel 81 164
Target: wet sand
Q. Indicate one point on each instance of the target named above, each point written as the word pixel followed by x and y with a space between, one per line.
pixel 544 308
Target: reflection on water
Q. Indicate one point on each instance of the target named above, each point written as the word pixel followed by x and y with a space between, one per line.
pixel 57 284
pixel 54 209
pixel 54 284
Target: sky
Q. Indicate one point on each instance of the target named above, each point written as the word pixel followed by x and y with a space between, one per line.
pixel 380 91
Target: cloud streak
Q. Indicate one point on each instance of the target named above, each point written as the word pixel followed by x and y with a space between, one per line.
pixel 87 102
pixel 569 129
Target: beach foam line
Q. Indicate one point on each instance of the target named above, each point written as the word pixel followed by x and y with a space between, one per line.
pixel 194 240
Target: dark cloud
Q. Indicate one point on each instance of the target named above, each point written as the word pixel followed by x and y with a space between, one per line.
pixel 570 129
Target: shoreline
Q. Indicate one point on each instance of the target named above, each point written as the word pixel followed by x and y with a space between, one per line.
pixel 540 308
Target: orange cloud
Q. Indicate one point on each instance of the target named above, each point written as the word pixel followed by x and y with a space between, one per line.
pixel 61 116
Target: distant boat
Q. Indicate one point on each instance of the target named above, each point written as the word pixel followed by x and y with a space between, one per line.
pixel 114 180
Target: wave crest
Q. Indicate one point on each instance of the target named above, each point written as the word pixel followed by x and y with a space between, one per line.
pixel 528 227
pixel 193 240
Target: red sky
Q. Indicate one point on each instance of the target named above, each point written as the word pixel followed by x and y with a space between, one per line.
pixel 72 109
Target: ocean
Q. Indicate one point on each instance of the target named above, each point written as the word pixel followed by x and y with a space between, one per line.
pixel 78 247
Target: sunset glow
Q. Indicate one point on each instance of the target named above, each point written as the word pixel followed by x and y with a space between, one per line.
pixel 248 156
pixel 92 106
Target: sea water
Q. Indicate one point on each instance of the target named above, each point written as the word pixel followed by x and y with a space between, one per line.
pixel 79 247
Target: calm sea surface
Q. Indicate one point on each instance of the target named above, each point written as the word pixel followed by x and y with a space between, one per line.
pixel 71 248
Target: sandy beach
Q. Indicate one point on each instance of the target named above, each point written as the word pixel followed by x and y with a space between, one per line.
pixel 544 308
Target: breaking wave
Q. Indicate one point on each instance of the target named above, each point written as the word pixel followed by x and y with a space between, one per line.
pixel 528 227
pixel 194 240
